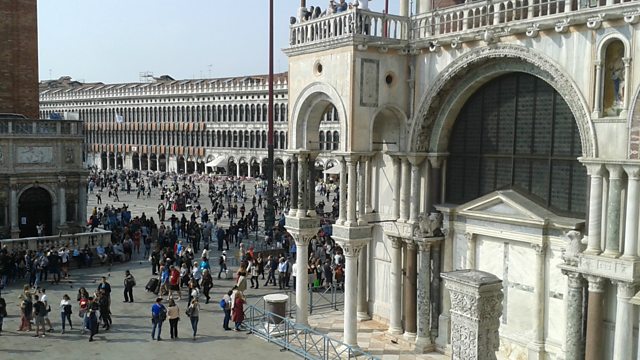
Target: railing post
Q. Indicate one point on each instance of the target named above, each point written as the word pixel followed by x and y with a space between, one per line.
pixel 310 290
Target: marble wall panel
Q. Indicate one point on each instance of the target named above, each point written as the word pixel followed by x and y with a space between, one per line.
pixel 460 247
pixel 489 254
pixel 519 308
pixel 556 320
pixel 522 260
pixel 556 282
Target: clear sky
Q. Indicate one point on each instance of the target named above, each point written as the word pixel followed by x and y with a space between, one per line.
pixel 112 41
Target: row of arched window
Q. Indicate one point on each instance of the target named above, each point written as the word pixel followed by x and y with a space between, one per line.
pixel 220 139
pixel 190 113
pixel 329 140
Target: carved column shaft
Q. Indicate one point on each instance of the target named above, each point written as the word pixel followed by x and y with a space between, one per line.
pixel 294 185
pixel 539 298
pixel 595 209
pixel 594 318
pixel 405 190
pixel 623 336
pixel 361 191
pixel 597 103
pixel 415 193
pixel 613 211
pixel 14 208
pixel 352 192
pixel 631 217
pixel 574 342
pixel 368 185
pixel 471 250
pixel 62 202
pixel 397 183
pixel 627 74
pixel 395 318
pixel 311 186
pixel 423 339
pixel 343 192
pixel 363 304
pixel 410 296
pixel 303 173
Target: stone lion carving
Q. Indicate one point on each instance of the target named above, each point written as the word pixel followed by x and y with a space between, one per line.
pixel 574 247
pixel 430 226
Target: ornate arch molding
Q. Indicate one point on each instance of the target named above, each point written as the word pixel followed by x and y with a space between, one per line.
pixel 400 115
pixel 634 127
pixel 306 103
pixel 440 105
pixel 46 187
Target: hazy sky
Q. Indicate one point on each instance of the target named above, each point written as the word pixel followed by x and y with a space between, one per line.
pixel 114 40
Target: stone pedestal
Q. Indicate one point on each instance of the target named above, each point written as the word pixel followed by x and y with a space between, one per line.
pixel 476 307
pixel 276 304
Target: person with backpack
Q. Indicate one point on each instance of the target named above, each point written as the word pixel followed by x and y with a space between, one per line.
pixel 225 305
pixel 158 316
pixel 129 283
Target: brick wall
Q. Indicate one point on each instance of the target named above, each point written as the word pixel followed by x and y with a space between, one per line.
pixel 19 57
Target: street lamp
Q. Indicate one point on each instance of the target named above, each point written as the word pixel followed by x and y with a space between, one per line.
pixel 269 216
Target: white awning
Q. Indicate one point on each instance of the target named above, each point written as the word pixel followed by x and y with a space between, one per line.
pixel 220 161
pixel 334 170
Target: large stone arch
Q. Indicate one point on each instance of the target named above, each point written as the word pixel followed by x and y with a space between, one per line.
pixel 446 96
pixel 397 126
pixel 307 114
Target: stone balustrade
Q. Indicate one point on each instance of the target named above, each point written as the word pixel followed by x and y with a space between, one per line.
pixel 71 241
pixel 473 20
pixel 39 128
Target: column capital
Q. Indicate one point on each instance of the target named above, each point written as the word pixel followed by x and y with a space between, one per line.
pixel 62 179
pixel 596 283
pixel 575 278
pixel 615 171
pixel 301 238
pixel 436 159
pixel 633 171
pixel 540 249
pixel 470 236
pixel 352 248
pixel 396 242
pixel 626 290
pixel 411 245
pixel 423 245
pixel 416 158
pixel 594 169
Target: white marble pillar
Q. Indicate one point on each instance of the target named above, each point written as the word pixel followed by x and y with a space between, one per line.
pixel 404 8
pixel 597 108
pixel 471 250
pixel 595 209
pixel 631 216
pixel 294 186
pixel 414 199
pixel 368 184
pixel 261 172
pixel 536 345
pixel 623 335
pixel 351 251
pixel 363 304
pixel 397 183
pixel 303 172
pixel 612 245
pixel 13 208
pixel 361 191
pixel 302 279
pixel 286 173
pixel 311 186
pixel 405 190
pixel 62 201
pixel 237 168
pixel 395 316
pixel 424 343
pixel 352 193
pixel 342 206
pixel 625 95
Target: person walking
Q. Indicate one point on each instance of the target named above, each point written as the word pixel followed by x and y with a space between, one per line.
pixel 173 314
pixel 129 283
pixel 65 311
pixel 39 310
pixel 158 316
pixel 193 311
pixel 92 309
pixel 237 311
pixel 226 307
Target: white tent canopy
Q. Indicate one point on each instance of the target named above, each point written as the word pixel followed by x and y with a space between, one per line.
pixel 334 170
pixel 220 161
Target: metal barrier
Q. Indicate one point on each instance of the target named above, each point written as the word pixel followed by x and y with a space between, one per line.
pixel 325 298
pixel 299 339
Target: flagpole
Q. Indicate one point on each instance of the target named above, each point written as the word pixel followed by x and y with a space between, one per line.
pixel 269 216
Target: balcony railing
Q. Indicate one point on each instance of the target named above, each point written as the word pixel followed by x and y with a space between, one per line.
pixel 366 27
pixel 71 241
pixel 31 127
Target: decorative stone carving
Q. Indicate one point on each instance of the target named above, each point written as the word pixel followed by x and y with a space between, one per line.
pixel 465 71
pixel 476 307
pixel 352 248
pixel 595 22
pixel 563 26
pixel 34 154
pixel 574 247
pixel 533 30
pixel 68 155
pixel 632 17
pixel 434 46
pixel 456 42
pixel 430 226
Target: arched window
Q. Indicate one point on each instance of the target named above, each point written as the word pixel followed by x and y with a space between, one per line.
pixel 336 140
pixel 321 139
pixel 517 132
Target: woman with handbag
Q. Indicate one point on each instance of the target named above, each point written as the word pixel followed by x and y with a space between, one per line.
pixel 173 314
pixel 193 312
pixel 65 311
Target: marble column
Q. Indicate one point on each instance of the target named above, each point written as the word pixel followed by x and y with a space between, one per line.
pixel 595 209
pixel 397 183
pixel 302 278
pixel 471 250
pixel 303 172
pixel 395 316
pixel 286 173
pixel 424 343
pixel 342 206
pixel 612 247
pixel 631 216
pixel 352 193
pixel 294 186
pixel 597 108
pixel 361 191
pixel 13 210
pixel 415 197
pixel 623 336
pixel 595 315
pixel 536 345
pixel 62 201
pixel 368 184
pixel 237 168
pixel 404 8
pixel 82 201
pixel 351 252
pixel 363 303
pixel 261 170
pixel 424 6
pixel 405 190
pixel 574 341
pixel 410 295
pixel 311 195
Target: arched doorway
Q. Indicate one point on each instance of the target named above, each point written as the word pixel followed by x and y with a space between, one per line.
pixel 516 131
pixel 200 166
pixel 191 166
pixel 144 162
pixel 119 162
pixel 180 165
pixel 232 169
pixel 162 163
pixel 112 161
pixel 153 162
pixel 255 168
pixel 135 161
pixel 103 161
pixel 278 168
pixel 244 167
pixel 34 207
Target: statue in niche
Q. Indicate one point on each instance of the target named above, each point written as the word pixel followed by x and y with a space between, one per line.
pixel 69 155
pixel 614 81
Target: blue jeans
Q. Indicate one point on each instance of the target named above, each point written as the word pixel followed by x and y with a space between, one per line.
pixel 227 318
pixel 194 324
pixel 157 323
pixel 65 317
